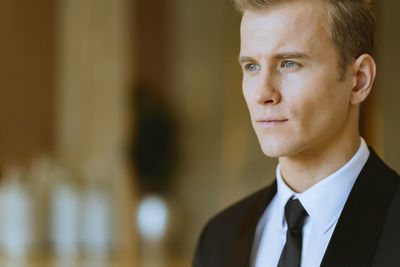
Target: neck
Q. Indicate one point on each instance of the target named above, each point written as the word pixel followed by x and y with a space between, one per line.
pixel 305 169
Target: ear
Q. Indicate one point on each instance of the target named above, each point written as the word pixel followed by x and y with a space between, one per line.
pixel 364 71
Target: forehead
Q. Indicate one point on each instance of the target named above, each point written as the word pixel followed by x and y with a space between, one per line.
pixel 290 25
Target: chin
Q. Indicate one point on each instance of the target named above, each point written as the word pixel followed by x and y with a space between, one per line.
pixel 272 153
pixel 276 142
pixel 278 147
pixel 273 150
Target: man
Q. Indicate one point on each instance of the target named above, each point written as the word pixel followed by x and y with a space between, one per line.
pixel 307 67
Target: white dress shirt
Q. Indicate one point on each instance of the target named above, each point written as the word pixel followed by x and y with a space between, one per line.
pixel 323 202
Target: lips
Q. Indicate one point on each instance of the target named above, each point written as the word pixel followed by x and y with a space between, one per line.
pixel 268 122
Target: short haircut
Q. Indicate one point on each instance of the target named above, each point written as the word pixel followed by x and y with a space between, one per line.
pixel 350 25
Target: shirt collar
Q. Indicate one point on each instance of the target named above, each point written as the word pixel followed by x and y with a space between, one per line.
pixel 325 200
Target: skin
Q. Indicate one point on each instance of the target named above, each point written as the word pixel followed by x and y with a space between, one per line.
pixel 301 111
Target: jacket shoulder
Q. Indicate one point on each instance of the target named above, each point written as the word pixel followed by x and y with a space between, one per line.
pixel 220 230
pixel 389 242
pixel 237 209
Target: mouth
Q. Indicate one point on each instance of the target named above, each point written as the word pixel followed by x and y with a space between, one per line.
pixel 270 122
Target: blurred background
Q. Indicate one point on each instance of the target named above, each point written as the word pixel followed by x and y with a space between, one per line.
pixel 123 128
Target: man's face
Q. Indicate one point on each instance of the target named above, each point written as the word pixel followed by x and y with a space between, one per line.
pixel 291 80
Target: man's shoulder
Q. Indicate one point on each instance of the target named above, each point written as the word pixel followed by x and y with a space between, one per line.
pixel 389 241
pixel 220 231
pixel 237 210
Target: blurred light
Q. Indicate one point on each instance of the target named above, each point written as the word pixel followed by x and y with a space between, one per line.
pixel 65 218
pixel 96 222
pixel 15 208
pixel 152 218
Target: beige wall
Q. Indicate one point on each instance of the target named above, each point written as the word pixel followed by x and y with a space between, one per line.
pixel 387 86
pixel 93 82
pixel 64 83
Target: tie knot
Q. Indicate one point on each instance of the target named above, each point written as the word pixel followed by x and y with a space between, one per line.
pixel 295 214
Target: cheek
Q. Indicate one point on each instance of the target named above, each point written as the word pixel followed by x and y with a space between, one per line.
pixel 247 90
pixel 326 115
pixel 317 104
pixel 247 98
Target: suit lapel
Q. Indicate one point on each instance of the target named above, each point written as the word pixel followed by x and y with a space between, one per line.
pixel 240 251
pixel 357 232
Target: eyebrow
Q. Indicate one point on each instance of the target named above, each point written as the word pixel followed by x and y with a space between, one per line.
pixel 286 55
pixel 291 55
pixel 243 59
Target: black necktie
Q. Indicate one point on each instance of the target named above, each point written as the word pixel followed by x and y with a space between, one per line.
pixel 295 215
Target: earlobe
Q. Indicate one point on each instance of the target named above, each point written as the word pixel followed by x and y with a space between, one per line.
pixel 364 72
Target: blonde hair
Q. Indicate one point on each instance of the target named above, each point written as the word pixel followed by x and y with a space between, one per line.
pixel 350 25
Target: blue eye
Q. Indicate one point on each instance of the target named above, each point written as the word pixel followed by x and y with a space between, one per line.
pixel 288 64
pixel 252 67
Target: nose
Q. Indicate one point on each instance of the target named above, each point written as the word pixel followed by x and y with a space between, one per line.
pixel 267 90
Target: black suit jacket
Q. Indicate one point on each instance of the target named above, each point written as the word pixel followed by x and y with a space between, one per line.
pixel 367 232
